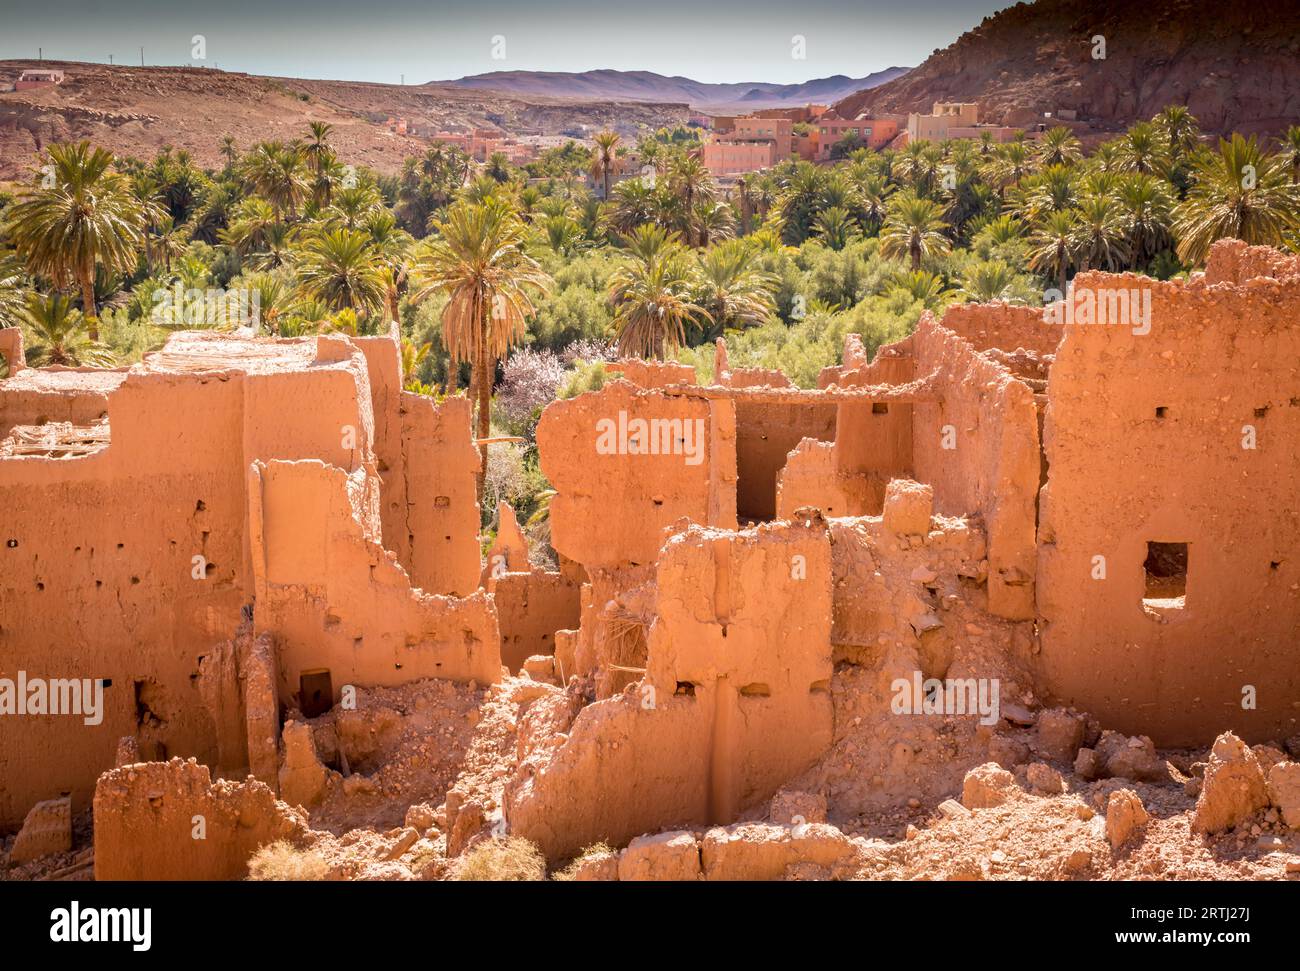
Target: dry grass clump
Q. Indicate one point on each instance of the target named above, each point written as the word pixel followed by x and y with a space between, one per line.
pixel 502 858
pixel 284 861
pixel 593 851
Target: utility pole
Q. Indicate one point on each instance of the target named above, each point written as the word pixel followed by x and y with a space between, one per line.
pixel 110 58
pixel 142 56
pixel 40 55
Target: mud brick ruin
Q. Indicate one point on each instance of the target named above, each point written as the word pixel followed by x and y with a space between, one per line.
pixel 269 555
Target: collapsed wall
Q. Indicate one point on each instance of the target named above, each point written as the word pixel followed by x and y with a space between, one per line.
pixel 1168 581
pixel 734 699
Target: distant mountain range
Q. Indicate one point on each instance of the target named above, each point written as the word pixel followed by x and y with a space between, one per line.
pixel 607 85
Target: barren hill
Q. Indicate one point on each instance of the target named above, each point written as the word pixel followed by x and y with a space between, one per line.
pixel 135 111
pixel 648 86
pixel 1233 65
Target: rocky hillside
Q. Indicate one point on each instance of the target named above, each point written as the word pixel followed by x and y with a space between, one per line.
pixel 1235 65
pixel 648 86
pixel 135 111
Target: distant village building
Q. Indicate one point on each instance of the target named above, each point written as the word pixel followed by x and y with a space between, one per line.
pixel 873 133
pixel 37 79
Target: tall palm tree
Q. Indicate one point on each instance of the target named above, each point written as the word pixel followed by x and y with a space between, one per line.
pixel 1059 146
pixel 603 158
pixel 276 172
pixel 989 280
pixel 1239 192
pixel 478 260
pixel 1142 148
pixel 1052 245
pixel 1101 234
pixel 342 271
pixel 835 227
pixel 732 289
pixel 913 227
pixel 87 218
pixel 692 183
pixel 1147 204
pixel 61 335
pixel 654 304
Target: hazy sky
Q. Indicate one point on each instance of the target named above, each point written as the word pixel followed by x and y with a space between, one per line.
pixel 379 40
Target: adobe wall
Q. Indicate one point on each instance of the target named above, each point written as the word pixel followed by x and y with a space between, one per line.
pixel 610 509
pixel 652 374
pixel 36 396
pixel 110 588
pixel 531 606
pixel 425 456
pixel 11 349
pixel 1002 326
pixel 1232 261
pixel 1219 358
pixel 992 468
pixel 735 699
pixel 334 598
pixel 148 817
pixel 438 541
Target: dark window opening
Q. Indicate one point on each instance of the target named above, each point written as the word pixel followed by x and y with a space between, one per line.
pixel 1261 412
pixel 1165 569
pixel 880 407
pixel 685 688
pixel 1162 412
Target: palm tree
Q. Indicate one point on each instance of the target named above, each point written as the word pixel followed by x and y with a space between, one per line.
pixel 1059 146
pixel 1240 192
pixel 341 270
pixel 836 227
pixel 913 227
pixel 1147 205
pixel 276 172
pixel 1101 240
pixel 632 204
pixel 1052 245
pixel 87 218
pixel 603 157
pixel 989 280
pixel 229 152
pixel 928 288
pixel 1291 151
pixel 478 260
pixel 691 182
pixel 732 290
pixel 11 294
pixel 653 304
pixel 61 335
pixel 1141 149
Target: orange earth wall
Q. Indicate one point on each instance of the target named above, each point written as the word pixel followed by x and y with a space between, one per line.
pixel 134 563
pixel 1223 361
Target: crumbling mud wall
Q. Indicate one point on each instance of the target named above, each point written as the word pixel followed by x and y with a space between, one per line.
pixel 147 568
pixel 11 349
pixel 978 446
pixel 170 821
pixel 1002 327
pixel 625 463
pixel 335 600
pixel 237 681
pixel 36 396
pixel 735 698
pixel 1189 434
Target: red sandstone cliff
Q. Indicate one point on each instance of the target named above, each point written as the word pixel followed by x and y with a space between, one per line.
pixel 1235 66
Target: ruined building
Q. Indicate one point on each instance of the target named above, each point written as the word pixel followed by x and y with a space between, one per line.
pixel 238 533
